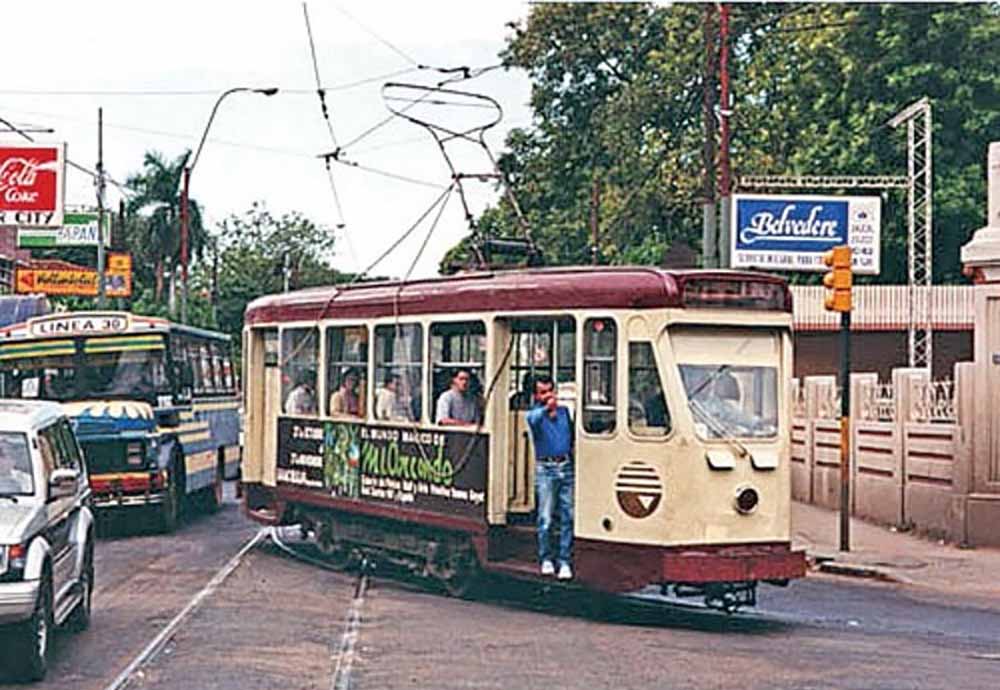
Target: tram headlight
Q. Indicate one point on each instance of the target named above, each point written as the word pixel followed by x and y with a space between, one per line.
pixel 747 499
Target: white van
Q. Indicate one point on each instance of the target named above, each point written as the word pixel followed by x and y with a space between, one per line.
pixel 46 531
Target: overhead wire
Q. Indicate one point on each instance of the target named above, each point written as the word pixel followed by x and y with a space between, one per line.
pixel 321 93
pixel 377 37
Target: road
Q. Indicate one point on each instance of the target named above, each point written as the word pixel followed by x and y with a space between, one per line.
pixel 279 622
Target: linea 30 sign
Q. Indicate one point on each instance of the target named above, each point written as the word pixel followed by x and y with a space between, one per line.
pixel 791 233
pixel 32 184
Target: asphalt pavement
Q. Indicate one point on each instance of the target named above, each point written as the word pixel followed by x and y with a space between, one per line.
pixel 274 621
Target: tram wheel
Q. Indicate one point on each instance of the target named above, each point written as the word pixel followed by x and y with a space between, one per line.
pixel 463 577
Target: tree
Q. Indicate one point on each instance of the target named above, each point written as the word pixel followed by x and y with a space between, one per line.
pixel 248 259
pixel 616 92
pixel 156 231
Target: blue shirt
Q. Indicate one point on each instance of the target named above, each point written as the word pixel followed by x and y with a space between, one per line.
pixel 552 437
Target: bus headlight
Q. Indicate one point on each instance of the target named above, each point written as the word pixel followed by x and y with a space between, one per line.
pixel 747 499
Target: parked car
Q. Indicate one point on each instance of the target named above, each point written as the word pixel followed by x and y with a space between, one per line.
pixel 46 532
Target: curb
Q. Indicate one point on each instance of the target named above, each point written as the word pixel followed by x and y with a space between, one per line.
pixel 857 570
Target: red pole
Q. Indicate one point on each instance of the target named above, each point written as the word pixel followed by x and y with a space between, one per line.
pixel 725 182
pixel 184 244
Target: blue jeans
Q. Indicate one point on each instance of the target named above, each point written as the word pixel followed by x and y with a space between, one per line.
pixel 554 485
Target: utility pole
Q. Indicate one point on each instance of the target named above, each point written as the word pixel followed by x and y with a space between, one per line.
pixel 709 229
pixel 100 210
pixel 595 203
pixel 184 244
pixel 725 180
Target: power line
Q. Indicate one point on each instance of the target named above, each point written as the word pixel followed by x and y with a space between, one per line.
pixel 383 173
pixel 378 38
pixel 144 93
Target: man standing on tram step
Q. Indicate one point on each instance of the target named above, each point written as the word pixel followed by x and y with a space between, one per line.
pixel 552 434
pixel 456 407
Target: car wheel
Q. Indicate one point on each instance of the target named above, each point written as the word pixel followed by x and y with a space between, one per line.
pixel 213 495
pixel 170 509
pixel 79 620
pixel 35 635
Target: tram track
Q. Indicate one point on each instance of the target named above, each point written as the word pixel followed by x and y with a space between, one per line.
pixel 160 641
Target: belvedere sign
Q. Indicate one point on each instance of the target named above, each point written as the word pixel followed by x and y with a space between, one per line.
pixel 793 232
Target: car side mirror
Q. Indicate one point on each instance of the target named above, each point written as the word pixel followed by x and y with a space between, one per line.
pixel 63 483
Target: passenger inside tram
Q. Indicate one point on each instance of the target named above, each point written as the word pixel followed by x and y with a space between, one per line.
pixel 458 406
pixel 301 400
pixel 388 405
pixel 346 400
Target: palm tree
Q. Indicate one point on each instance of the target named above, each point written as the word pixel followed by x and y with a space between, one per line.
pixel 158 200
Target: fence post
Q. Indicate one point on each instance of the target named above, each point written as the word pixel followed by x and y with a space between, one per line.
pixel 860 385
pixel 963 469
pixel 906 385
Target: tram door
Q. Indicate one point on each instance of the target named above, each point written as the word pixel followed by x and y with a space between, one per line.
pixel 542 346
pixel 272 406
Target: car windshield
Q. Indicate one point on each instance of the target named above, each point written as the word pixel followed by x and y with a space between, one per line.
pixel 15 465
pixel 732 401
pixel 125 374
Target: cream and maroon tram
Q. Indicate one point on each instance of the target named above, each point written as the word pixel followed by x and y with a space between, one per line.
pixel 677 384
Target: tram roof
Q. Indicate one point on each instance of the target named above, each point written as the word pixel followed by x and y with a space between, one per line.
pixel 526 290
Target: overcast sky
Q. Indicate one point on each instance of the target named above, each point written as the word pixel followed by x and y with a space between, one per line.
pixel 263 148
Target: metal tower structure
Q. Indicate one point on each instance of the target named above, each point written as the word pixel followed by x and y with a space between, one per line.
pixel 918 183
pixel 917 118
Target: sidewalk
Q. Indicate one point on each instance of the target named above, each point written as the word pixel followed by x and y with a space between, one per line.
pixel 879 553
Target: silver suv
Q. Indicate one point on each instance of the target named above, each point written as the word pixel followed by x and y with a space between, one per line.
pixel 46 532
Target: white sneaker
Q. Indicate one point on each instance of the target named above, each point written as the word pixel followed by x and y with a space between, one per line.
pixel 548 568
pixel 565 572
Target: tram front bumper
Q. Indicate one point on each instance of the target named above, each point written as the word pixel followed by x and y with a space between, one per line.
pixel 740 563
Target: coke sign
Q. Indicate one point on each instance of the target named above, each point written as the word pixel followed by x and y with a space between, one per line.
pixel 32 180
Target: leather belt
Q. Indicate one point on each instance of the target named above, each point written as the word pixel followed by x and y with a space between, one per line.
pixel 556 458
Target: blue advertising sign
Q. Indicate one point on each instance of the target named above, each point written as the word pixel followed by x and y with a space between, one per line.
pixel 791 233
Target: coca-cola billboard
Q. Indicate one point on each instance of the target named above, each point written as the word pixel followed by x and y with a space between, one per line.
pixel 32 181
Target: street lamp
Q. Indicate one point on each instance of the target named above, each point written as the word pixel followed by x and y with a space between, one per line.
pixel 187 182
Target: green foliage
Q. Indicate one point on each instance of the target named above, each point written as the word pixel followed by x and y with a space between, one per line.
pixel 248 255
pixel 617 90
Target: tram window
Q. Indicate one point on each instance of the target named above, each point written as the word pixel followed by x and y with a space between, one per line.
pixel 299 362
pixel 399 370
pixel 647 407
pixel 534 355
pixel 346 370
pixel 599 359
pixel 456 348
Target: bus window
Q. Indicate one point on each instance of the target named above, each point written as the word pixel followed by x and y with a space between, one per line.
pixel 299 362
pixel 346 370
pixel 534 355
pixel 399 363
pixel 458 348
pixel 218 366
pixel 208 369
pixel 599 359
pixel 647 408
pixel 197 372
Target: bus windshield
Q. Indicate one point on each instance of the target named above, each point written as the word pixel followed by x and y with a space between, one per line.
pixel 127 374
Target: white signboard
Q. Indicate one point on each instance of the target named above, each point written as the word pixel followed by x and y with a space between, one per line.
pixel 78 230
pixel 79 324
pixel 792 232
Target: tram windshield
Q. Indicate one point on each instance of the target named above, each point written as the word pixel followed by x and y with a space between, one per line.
pixel 732 401
pixel 136 374
pixel 730 376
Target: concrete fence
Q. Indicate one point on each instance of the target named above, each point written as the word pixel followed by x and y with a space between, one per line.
pixel 910 452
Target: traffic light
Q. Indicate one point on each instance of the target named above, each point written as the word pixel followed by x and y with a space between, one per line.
pixel 838 279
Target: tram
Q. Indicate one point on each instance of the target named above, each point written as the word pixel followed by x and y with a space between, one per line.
pixel 677 382
pixel 154 403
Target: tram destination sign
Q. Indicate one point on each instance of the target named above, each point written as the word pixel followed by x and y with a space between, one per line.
pixel 442 472
pixel 792 232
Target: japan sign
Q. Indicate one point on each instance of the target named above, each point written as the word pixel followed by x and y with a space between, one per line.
pixel 791 233
pixel 78 230
pixel 32 184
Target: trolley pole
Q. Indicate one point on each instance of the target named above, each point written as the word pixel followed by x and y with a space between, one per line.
pixel 845 431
